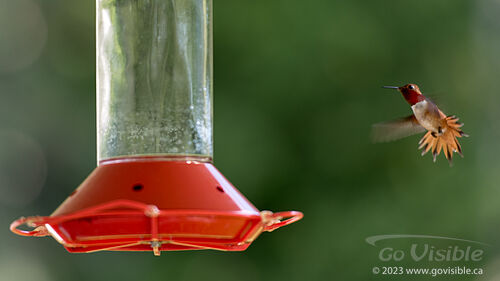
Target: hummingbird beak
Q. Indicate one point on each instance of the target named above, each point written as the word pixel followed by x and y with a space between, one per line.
pixel 390 87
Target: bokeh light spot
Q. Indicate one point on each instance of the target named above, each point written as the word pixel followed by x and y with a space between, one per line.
pixel 23 33
pixel 23 169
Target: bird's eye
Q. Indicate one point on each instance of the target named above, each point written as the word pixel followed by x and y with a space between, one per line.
pixel 411 87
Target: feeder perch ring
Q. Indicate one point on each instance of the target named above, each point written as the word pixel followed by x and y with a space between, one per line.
pixel 51 225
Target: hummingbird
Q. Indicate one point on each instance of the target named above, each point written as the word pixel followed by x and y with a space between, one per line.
pixel 442 130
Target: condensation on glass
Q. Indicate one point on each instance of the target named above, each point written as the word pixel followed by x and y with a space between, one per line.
pixel 154 78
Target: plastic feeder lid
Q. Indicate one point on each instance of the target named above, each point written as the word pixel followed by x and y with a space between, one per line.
pixel 148 204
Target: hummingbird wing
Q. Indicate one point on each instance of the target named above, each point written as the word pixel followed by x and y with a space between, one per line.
pixel 396 129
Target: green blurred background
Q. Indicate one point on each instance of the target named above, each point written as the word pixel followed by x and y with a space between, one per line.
pixel 297 87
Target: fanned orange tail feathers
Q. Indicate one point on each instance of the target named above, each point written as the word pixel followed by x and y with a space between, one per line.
pixel 447 141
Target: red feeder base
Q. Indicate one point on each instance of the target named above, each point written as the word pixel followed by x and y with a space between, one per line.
pixel 148 203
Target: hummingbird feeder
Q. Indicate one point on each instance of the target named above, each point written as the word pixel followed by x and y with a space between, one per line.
pixel 155 187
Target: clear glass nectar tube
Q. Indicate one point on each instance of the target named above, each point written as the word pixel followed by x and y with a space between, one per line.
pixel 154 78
